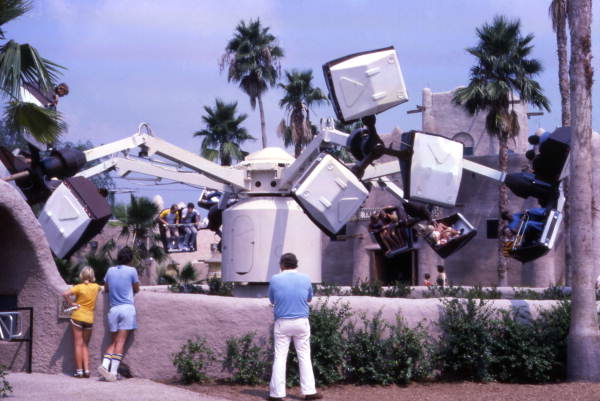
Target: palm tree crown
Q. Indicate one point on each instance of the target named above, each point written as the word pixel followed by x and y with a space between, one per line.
pixel 223 134
pixel 253 57
pixel 21 64
pixel 299 96
pixel 502 69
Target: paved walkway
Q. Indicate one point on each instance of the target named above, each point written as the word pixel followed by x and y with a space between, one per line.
pixel 38 386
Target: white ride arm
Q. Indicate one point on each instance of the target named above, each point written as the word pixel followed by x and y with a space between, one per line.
pixel 125 166
pixel 154 145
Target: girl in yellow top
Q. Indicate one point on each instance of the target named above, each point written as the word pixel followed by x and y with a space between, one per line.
pixel 82 318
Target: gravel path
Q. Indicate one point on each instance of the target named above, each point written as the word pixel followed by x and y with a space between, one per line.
pixel 460 391
pixel 43 387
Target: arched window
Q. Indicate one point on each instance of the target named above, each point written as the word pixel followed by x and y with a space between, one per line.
pixel 467 141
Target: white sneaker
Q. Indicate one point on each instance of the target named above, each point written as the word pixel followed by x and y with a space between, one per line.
pixel 109 377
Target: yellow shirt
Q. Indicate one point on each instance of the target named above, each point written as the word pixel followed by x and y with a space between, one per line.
pixel 85 294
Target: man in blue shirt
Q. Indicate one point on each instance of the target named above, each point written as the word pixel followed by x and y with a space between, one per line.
pixel 121 282
pixel 290 292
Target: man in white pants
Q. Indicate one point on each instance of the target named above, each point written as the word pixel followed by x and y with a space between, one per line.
pixel 290 292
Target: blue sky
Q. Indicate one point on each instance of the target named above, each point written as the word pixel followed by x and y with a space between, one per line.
pixel 157 61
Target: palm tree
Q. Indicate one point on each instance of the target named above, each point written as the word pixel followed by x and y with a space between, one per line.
pixel 137 221
pixel 558 15
pixel 502 70
pixel 253 58
pixel 21 64
pixel 299 96
pixel 223 134
pixel 583 341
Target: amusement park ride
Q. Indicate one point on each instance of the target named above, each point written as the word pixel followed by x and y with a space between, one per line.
pixel 272 203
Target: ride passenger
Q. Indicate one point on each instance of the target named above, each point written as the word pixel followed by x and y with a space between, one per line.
pixel 169 218
pixel 190 219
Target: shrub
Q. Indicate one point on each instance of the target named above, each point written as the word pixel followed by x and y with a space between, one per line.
pixel 327 289
pixel 193 359
pixel 367 360
pixel 216 286
pixel 526 294
pixel 464 349
pixel 398 290
pixel 520 351
pixel 553 327
pixel 367 288
pixel 410 352
pixel 436 291
pixel 248 361
pixel 327 344
pixel 5 386
pixel 478 292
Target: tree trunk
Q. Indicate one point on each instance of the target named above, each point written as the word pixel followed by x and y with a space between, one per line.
pixel 563 80
pixel 502 208
pixel 563 71
pixel 583 341
pixel 263 124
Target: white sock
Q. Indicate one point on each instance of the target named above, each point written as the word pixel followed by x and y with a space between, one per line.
pixel 79 372
pixel 116 361
pixel 106 361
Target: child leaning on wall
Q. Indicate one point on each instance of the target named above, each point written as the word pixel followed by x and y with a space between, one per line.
pixel 82 319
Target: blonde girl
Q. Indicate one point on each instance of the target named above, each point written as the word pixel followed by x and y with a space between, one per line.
pixel 82 318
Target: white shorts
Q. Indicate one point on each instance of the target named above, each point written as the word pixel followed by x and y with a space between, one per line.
pixel 122 317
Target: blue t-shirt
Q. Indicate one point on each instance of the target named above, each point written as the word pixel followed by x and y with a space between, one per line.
pixel 290 292
pixel 120 280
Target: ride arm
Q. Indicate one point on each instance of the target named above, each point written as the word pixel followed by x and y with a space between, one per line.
pixel 124 166
pixel 153 145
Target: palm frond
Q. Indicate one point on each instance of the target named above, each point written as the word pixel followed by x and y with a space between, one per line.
pixel 45 125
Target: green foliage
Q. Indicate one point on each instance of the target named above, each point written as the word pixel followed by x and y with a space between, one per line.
pixel 68 270
pixel 192 361
pixel 464 349
pixel 381 353
pixel 481 344
pixel 5 386
pixel 327 343
pixel 327 289
pixel 410 352
pixel 367 288
pixel 450 291
pixel 223 135
pixel 397 290
pixel 552 293
pixel 247 361
pixel 366 355
pixel 520 352
pixel 216 286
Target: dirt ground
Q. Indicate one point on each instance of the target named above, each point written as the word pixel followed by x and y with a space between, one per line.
pixel 462 391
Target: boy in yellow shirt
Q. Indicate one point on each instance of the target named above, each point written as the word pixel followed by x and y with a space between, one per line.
pixel 82 318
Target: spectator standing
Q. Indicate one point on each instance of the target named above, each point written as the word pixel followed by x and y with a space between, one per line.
pixel 82 319
pixel 121 282
pixel 441 279
pixel 290 292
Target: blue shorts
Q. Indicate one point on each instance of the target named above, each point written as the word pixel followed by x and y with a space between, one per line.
pixel 122 317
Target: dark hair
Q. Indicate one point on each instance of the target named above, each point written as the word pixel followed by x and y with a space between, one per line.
pixel 427 275
pixel 288 260
pixel 440 268
pixel 125 256
pixel 191 204
pixel 62 86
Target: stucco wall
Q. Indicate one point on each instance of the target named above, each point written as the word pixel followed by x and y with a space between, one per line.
pixel 165 320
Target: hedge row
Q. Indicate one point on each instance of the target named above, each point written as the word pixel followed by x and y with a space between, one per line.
pixel 477 343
